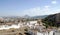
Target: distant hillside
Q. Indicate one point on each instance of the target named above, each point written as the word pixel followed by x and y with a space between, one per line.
pixel 41 17
pixel 30 18
pixel 52 20
pixel 34 17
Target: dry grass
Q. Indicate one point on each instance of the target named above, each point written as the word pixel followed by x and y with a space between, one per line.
pixel 13 31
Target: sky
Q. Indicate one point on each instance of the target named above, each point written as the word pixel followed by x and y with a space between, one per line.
pixel 29 7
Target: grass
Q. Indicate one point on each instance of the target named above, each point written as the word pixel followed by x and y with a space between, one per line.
pixel 13 31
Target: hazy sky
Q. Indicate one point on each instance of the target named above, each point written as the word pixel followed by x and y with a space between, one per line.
pixel 28 7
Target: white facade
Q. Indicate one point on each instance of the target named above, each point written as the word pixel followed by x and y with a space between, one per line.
pixel 30 24
pixel 12 26
pixel 46 33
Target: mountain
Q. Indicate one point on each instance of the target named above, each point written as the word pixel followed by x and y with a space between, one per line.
pixel 52 20
pixel 41 17
pixel 35 17
pixel 26 16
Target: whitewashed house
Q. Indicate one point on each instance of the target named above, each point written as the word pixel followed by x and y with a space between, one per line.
pixel 45 33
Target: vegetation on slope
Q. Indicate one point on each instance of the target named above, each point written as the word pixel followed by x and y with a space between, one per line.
pixel 51 21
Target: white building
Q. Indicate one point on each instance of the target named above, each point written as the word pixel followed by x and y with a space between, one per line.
pixel 45 33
